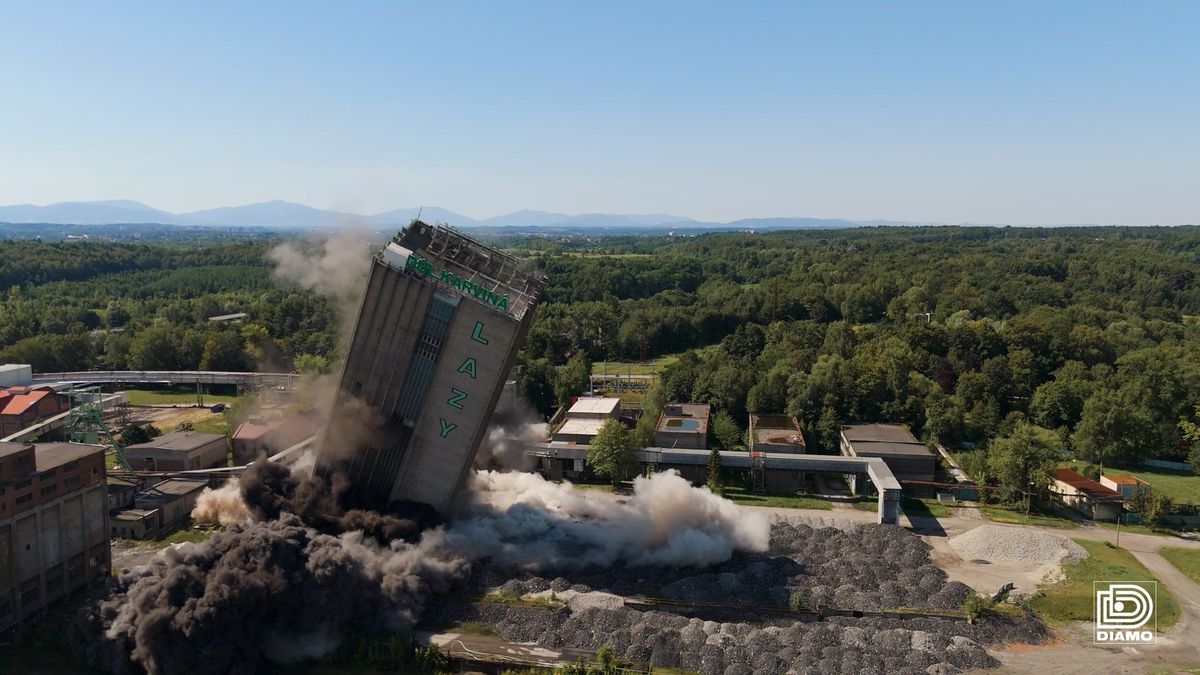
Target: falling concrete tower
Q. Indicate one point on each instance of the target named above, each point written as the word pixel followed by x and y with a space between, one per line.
pixel 437 333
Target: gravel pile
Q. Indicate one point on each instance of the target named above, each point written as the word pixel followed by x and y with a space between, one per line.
pixel 858 567
pixel 861 567
pixel 1015 544
pixel 669 640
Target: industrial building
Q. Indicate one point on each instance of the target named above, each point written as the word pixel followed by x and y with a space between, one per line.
pixel 16 375
pixel 776 433
pixel 121 492
pixel 581 422
pixel 53 524
pixel 158 509
pixel 437 331
pixel 683 425
pixel 179 451
pixel 258 435
pixel 1086 495
pixel 907 457
pixel 22 406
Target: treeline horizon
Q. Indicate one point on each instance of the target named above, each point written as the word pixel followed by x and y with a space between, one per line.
pixel 959 332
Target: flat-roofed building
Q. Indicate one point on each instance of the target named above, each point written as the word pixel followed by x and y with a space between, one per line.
pixel 580 431
pixel 179 451
pixel 16 374
pixel 683 425
pixel 594 407
pixel 776 433
pixel 53 524
pixel 907 457
pixel 1086 495
pixel 174 499
pixel 135 523
pixel 583 419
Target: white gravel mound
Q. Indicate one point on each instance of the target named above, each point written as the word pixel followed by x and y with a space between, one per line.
pixel 1016 544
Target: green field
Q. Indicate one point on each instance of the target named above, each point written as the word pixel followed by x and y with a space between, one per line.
pixel 927 508
pixel 1072 598
pixel 1186 559
pixel 1179 486
pixel 1000 514
pixel 598 487
pixel 777 500
pixel 176 396
pixel 649 367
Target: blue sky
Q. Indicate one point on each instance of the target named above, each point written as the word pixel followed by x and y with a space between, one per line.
pixel 1023 113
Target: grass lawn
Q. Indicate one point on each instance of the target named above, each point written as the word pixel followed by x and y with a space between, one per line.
pixel 178 396
pixel 473 628
pixel 1000 514
pixel 599 487
pixel 186 535
pixel 1186 559
pixel 631 368
pixel 1072 598
pixel 778 500
pixel 928 508
pixel 1137 528
pixel 1181 487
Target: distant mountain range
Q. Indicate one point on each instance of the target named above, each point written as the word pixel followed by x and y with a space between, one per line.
pixel 292 215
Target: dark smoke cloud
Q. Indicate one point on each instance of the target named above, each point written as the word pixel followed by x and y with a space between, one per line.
pixel 270 489
pixel 304 572
pixel 252 591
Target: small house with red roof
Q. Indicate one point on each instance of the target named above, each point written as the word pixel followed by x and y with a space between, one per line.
pixel 22 406
pixel 1128 486
pixel 1086 495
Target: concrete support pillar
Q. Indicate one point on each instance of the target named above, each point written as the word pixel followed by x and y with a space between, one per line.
pixel 889 507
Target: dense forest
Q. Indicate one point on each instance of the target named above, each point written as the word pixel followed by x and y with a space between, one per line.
pixel 961 333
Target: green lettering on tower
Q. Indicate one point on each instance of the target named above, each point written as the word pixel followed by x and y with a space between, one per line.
pixel 456 399
pixel 468 367
pixel 477 334
pixel 447 427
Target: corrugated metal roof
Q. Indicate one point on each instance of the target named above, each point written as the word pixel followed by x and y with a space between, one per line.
pixel 1085 485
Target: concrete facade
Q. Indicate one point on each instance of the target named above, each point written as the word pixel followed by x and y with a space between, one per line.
pixel 907 457
pixel 121 492
pixel 135 523
pixel 783 472
pixel 683 425
pixel 776 433
pixel 179 451
pixel 437 332
pixel 54 527
pixel 173 499
pixel 16 375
